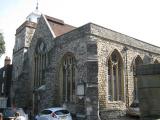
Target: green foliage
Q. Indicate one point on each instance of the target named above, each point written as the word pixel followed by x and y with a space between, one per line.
pixel 2 45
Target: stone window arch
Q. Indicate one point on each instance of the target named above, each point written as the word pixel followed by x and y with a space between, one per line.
pixel 147 59
pixel 40 63
pixel 137 61
pixel 115 77
pixel 67 78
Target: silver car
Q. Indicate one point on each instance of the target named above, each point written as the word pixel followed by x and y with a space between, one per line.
pixel 57 113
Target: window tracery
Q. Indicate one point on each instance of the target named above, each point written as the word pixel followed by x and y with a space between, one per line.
pixel 68 79
pixel 115 77
pixel 41 62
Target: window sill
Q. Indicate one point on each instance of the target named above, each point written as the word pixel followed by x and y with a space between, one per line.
pixel 113 102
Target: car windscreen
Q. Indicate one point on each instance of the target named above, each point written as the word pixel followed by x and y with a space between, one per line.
pixel 45 112
pixel 8 113
pixel 11 112
pixel 61 112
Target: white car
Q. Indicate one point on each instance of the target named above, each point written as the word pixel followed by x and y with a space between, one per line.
pixel 57 113
pixel 9 113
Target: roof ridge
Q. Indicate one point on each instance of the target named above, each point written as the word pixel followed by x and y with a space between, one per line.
pixel 54 19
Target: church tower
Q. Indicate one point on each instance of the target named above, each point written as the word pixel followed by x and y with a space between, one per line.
pixel 23 38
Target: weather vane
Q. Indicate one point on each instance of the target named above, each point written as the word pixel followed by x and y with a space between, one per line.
pixel 37 5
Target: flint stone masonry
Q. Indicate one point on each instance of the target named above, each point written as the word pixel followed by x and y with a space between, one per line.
pixel 20 74
pixel 97 49
pixel 91 45
pixel 114 36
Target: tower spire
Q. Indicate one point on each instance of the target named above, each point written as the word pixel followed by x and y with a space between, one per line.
pixel 37 5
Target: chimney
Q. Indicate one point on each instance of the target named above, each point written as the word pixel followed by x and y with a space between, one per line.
pixel 7 61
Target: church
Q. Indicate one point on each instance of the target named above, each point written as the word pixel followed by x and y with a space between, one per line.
pixel 90 70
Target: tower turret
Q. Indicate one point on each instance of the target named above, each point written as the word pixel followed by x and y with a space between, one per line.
pixel 34 16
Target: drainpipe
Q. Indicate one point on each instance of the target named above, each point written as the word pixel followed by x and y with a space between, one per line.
pixel 125 49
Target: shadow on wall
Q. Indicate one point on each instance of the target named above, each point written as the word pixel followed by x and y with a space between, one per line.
pixel 149 90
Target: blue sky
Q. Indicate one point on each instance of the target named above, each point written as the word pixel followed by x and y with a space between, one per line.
pixel 136 18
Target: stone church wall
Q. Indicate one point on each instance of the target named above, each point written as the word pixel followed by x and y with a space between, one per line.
pixel 107 41
pixel 44 34
pixel 78 43
pixel 74 43
pixel 91 45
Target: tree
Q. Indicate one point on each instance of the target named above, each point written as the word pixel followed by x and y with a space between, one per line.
pixel 2 45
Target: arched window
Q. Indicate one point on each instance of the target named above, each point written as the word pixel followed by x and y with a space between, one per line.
pixel 40 65
pixel 67 76
pixel 115 77
pixel 137 61
pixel 41 61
